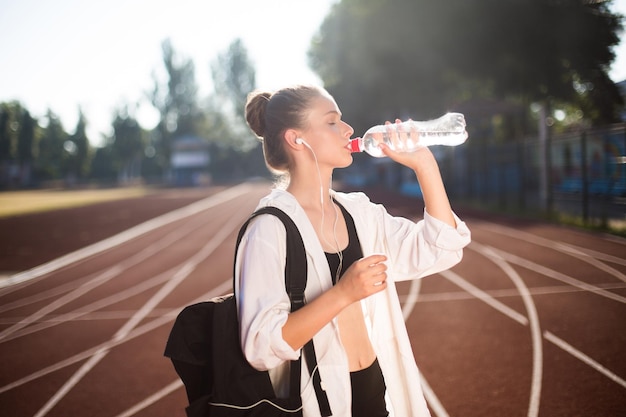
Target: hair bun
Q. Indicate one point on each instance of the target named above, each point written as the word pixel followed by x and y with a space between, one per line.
pixel 255 111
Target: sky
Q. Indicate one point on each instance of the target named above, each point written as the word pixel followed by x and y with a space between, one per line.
pixel 101 55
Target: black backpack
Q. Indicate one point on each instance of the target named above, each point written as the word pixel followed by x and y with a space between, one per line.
pixel 205 350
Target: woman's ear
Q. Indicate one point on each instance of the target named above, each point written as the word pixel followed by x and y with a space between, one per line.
pixel 290 137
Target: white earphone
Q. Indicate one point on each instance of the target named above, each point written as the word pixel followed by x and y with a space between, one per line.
pixel 301 141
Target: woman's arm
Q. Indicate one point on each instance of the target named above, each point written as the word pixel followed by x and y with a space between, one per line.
pixel 365 277
pixel 426 169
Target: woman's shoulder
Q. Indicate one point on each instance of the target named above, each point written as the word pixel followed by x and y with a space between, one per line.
pixel 352 198
pixel 280 199
pixel 265 224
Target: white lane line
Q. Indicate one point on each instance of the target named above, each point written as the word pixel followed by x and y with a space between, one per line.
pixel 139 331
pixel 484 297
pixel 508 293
pixel 50 321
pixel 432 399
pixel 222 234
pixel 46 294
pixel 584 358
pixel 80 315
pixel 585 255
pixel 603 256
pixel 101 278
pixel 61 301
pixel 407 309
pixel 155 247
pixel 509 312
pixel 535 329
pixel 127 235
pixel 509 257
pixel 163 392
pixel 411 299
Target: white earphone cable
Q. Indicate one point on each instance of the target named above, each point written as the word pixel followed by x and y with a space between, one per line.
pixel 337 249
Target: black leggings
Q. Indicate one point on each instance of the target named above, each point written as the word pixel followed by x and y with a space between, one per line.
pixel 368 392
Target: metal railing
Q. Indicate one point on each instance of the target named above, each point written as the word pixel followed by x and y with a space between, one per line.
pixel 581 175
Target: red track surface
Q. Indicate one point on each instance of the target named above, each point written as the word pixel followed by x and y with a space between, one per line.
pixel 531 323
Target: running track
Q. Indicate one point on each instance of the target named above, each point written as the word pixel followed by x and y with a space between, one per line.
pixel 531 323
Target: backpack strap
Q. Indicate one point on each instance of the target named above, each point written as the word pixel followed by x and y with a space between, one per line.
pixel 295 284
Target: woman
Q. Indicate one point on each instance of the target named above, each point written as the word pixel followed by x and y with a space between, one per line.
pixel 355 253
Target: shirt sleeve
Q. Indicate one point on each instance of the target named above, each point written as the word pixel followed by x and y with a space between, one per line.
pixel 416 250
pixel 262 300
pixel 444 236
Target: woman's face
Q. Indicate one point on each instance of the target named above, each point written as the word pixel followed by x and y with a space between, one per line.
pixel 327 134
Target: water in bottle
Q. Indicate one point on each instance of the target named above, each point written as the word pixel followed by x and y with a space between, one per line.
pixel 411 135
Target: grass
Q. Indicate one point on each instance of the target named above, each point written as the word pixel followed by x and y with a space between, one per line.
pixel 15 203
pixel 612 226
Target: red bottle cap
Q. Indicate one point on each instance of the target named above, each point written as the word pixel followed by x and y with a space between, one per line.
pixel 354 145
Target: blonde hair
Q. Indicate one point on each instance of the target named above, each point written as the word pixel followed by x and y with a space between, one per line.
pixel 270 115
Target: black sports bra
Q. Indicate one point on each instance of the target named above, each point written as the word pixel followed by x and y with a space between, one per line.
pixel 350 254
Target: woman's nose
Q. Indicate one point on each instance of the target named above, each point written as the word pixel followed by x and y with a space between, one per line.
pixel 349 130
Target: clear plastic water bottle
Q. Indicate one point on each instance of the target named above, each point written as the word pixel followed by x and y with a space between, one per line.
pixel 411 135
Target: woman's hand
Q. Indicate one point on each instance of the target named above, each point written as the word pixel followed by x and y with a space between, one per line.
pixel 421 159
pixel 423 162
pixel 365 277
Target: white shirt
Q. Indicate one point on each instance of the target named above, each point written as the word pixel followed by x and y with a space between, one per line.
pixel 414 250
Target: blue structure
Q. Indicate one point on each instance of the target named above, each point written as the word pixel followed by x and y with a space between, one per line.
pixel 189 162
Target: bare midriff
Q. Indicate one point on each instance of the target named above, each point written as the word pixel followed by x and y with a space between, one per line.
pixel 355 338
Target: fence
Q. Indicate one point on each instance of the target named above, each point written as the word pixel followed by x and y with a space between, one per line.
pixel 581 175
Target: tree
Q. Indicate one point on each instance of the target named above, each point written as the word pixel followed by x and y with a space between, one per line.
pixel 177 102
pixel 127 146
pixel 25 146
pixel 8 132
pixel 26 138
pixel 103 166
pixel 78 160
pixel 414 58
pixel 234 76
pixel 51 154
